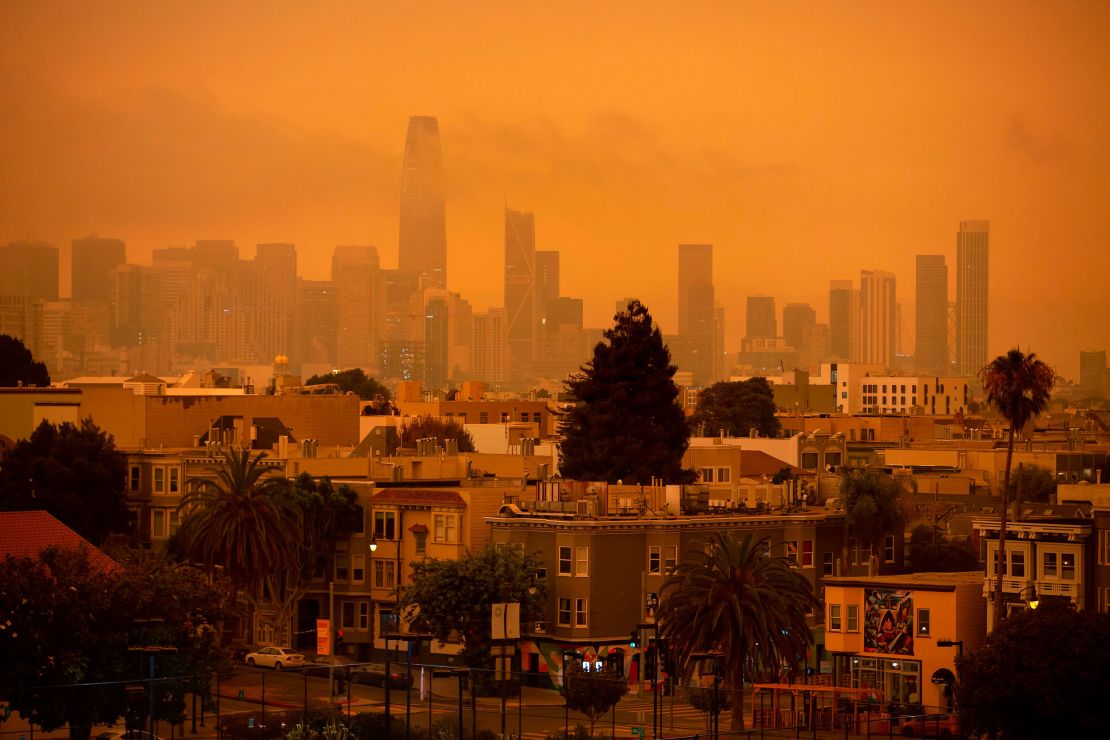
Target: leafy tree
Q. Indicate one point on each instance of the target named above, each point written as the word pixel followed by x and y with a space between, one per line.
pixel 426 425
pixel 734 596
pixel 737 408
pixel 593 694
pixel 73 472
pixel 17 365
pixel 354 381
pixel 245 522
pixel 1036 483
pixel 1039 674
pixel 1019 386
pixel 456 596
pixel 68 625
pixel 873 507
pixel 701 698
pixel 931 553
pixel 625 423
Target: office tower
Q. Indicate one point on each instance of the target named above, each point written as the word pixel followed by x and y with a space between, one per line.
pixel 489 347
pixel 761 320
pixel 354 271
pixel 547 288
pixel 520 288
pixel 125 305
pixel 878 316
pixel 931 317
pixel 817 340
pixel 840 319
pixel 423 235
pixel 275 297
pixel 400 326
pixel 29 269
pixel 1092 372
pixel 318 321
pixel 972 296
pixel 695 311
pixel 216 254
pixel 92 260
pixel 717 355
pixel 796 319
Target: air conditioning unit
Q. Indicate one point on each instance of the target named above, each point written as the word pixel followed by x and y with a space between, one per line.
pixel 587 508
pixel 541 627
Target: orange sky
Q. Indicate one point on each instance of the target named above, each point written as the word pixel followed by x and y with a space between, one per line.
pixel 804 140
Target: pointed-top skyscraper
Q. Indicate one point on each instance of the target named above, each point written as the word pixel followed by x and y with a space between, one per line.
pixel 423 234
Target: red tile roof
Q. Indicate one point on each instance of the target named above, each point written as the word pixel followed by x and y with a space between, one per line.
pixel 24 534
pixel 418 498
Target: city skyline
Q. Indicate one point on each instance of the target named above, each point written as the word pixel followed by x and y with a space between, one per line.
pixel 618 166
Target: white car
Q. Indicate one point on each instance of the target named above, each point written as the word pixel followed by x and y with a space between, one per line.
pixel 276 658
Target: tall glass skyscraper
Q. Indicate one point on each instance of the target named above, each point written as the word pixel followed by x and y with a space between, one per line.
pixel 972 295
pixel 931 315
pixel 423 234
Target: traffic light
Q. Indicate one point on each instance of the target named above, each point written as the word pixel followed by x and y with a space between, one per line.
pixel 338 638
pixel 634 640
pixel 651 656
pixel 665 656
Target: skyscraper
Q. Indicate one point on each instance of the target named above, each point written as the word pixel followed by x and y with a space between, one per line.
pixel 878 317
pixel 797 318
pixel 354 272
pixel 547 288
pixel 841 318
pixel 761 320
pixel 29 269
pixel 972 295
pixel 695 310
pixel 1092 372
pixel 275 276
pixel 931 316
pixel 92 261
pixel 521 296
pixel 423 234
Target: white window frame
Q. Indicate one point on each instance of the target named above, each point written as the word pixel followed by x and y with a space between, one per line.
pixel 835 612
pixel 566 560
pixel 358 568
pixel 706 475
pixel 851 618
pixel 135 478
pixel 724 474
pixel 581 613
pixel 174 479
pixel 445 528
pixel 564 610
pixel 159 479
pixel 342 568
pixel 655 559
pixel 364 615
pixel 582 562
pixel 670 559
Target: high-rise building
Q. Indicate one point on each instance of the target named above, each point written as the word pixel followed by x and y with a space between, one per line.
pixel 878 317
pixel 931 315
pixel 841 318
pixel 489 347
pixel 521 299
pixel 1092 372
pixel 796 319
pixel 761 319
pixel 29 269
pixel 400 328
pixel 275 297
pixel 354 271
pixel 695 311
pixel 547 288
pixel 215 254
pixel 318 321
pixel 125 305
pixel 92 261
pixel 423 234
pixel 972 295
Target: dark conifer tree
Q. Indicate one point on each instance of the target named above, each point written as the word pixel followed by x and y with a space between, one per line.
pixel 625 423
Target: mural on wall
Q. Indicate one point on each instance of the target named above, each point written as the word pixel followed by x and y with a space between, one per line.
pixel 888 622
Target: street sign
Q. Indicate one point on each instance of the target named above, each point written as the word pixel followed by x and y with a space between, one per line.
pixel 505 621
pixel 323 637
pixel 637 732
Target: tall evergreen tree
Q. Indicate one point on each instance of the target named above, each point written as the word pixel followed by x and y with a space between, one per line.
pixel 625 423
pixel 17 365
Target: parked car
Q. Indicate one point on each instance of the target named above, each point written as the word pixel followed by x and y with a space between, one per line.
pixel 373 674
pixel 276 658
pixel 125 735
pixel 319 665
pixel 930 725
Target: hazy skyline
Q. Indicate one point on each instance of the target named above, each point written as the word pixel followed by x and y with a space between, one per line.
pixel 804 141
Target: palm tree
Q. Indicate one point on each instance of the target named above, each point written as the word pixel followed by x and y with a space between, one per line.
pixel 873 508
pixel 239 523
pixel 1019 385
pixel 736 597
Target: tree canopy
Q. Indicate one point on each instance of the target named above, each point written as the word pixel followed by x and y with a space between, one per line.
pixel 69 624
pixel 1039 674
pixel 624 423
pixel 737 408
pixel 1036 483
pixel 354 380
pixel 73 472
pixel 873 505
pixel 426 425
pixel 592 693
pixel 456 596
pixel 931 552
pixel 17 365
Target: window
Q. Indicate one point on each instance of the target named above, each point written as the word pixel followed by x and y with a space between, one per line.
pixel 342 567
pixel 807 554
pixel 360 521
pixel 564 612
pixel 655 559
pixel 834 617
pixel 923 622
pixel 827 564
pixel 347 620
pixel 175 480
pixel 159 479
pixel 833 459
pixel 385 524
pixel 565 568
pixel 384 573
pixel 364 615
pixel 358 568
pixel 888 549
pixel 483 417
pixel 445 528
pixel 852 618
pixel 1104 547
pixel 580 613
pixel 164 523
pixel 670 559
pixel 1067 566
pixel 1017 564
pixel 724 475
pixel 536 417
pixel 791 551
pixel 134 486
pixel 707 475
pixel 809 460
pixel 421 542
pixel 1051 569
pixel 581 561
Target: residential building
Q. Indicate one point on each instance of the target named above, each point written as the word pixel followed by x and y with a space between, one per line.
pixel 972 296
pixel 877 318
pixel 490 349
